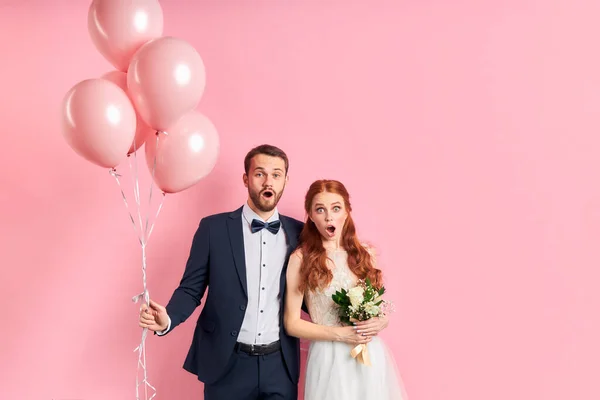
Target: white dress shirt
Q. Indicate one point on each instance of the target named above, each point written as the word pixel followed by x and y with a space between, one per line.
pixel 265 255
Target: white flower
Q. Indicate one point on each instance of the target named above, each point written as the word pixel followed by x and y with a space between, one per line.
pixel 372 309
pixel 356 295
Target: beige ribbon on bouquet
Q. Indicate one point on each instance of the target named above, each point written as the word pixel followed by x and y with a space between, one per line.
pixel 361 354
pixel 361 351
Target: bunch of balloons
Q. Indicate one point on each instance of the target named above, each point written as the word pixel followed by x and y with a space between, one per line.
pixel 150 98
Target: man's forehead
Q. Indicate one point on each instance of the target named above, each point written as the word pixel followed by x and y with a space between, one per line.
pixel 267 162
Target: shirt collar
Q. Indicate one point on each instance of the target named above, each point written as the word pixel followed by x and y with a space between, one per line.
pixel 249 215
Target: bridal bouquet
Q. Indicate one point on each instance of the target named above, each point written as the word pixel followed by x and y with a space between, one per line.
pixel 361 303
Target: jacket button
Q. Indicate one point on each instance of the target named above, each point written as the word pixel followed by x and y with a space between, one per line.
pixel 242 308
pixel 233 333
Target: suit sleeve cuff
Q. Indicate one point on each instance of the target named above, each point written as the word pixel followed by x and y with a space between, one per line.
pixel 166 330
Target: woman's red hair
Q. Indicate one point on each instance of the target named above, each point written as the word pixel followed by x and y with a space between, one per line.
pixel 313 270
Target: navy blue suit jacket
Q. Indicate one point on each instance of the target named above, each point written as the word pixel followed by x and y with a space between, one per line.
pixel 217 260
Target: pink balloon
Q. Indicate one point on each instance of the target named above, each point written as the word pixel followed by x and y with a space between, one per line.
pixel 98 121
pixel 118 28
pixel 143 131
pixel 166 79
pixel 185 155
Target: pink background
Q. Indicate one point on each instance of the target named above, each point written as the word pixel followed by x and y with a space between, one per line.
pixel 466 131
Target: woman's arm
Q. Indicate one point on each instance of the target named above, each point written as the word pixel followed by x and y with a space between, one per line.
pixel 296 326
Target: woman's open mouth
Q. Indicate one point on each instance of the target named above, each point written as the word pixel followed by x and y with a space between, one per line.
pixel 330 230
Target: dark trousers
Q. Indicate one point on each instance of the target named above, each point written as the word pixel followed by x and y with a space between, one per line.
pixel 250 377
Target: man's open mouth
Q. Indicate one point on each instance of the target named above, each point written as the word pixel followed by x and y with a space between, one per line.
pixel 268 194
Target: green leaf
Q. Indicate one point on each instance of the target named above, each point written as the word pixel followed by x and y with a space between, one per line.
pixel 336 298
pixel 340 299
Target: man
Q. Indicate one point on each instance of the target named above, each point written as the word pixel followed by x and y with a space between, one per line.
pixel 240 349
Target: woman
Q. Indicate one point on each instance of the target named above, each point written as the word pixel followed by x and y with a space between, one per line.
pixel 329 258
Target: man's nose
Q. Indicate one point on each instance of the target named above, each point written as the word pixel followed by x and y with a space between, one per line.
pixel 268 181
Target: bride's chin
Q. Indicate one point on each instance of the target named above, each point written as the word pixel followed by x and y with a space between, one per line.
pixel 328 238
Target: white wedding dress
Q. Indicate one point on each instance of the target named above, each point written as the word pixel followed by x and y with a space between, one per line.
pixel 331 372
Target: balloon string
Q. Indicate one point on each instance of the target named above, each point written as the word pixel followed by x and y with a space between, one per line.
pixel 145 293
pixel 162 200
pixel 113 172
pixel 141 349
pixel 143 237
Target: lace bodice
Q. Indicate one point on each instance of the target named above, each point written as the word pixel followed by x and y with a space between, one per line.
pixel 322 309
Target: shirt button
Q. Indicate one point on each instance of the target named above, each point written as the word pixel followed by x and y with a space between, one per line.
pixel 264 242
pixel 233 333
pixel 262 310
pixel 259 334
pixel 264 265
pixel 242 308
pixel 263 288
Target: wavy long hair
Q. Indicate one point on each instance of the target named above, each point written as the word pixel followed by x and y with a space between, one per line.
pixel 313 270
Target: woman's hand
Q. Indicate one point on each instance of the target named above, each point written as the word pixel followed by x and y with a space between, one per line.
pixel 348 334
pixel 373 326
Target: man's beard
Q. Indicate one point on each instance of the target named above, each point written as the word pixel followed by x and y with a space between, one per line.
pixel 265 205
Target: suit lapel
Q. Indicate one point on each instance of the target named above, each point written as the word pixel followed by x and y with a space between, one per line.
pixel 292 242
pixel 291 237
pixel 236 239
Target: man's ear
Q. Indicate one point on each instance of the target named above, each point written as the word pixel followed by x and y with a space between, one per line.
pixel 245 179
